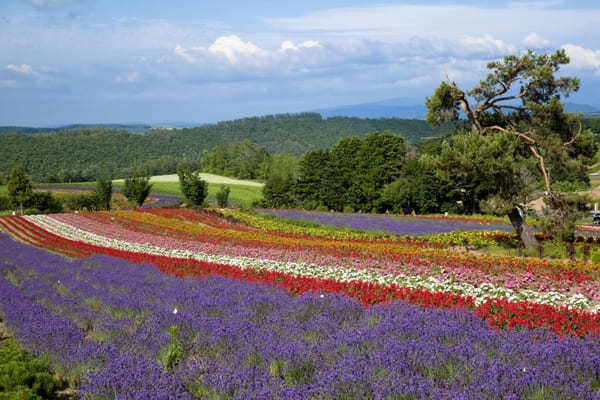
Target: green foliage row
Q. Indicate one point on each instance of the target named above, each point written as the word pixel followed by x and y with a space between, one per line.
pixel 86 153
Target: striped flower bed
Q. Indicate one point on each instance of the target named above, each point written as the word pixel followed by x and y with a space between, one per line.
pixel 509 294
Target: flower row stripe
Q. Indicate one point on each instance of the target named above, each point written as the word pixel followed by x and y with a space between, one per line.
pixel 480 293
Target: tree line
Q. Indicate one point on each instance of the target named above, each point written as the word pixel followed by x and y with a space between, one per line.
pixel 83 154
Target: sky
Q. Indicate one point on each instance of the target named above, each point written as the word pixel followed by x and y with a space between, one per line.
pixel 151 61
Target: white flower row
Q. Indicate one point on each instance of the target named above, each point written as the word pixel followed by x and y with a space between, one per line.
pixel 344 274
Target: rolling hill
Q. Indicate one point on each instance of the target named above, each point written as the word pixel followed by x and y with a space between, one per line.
pixel 83 154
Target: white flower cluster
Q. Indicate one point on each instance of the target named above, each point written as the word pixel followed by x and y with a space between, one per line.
pixel 480 292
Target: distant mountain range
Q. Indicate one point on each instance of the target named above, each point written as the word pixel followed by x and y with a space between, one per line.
pixel 585 109
pixel 131 128
pixel 410 109
pixel 400 107
pixel 391 108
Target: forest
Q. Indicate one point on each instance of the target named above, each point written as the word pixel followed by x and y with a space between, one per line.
pixel 83 154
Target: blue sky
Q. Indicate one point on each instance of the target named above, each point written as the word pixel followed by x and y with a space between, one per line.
pixel 89 61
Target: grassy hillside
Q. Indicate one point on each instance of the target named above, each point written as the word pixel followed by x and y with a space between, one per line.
pixel 83 154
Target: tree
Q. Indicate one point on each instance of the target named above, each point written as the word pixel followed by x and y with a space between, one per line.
pixel 192 186
pixel 20 188
pixel 104 192
pixel 344 156
pixel 477 167
pixel 420 189
pixel 379 163
pixel 137 188
pixel 521 96
pixel 281 176
pixel 313 187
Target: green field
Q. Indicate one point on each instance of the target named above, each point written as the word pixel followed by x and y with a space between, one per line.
pixel 239 195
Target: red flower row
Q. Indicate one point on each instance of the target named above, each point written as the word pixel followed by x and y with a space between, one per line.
pixel 501 314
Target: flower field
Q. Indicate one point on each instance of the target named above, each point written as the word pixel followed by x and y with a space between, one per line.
pixel 399 225
pixel 297 312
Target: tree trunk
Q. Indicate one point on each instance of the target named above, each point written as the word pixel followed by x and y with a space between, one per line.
pixel 525 232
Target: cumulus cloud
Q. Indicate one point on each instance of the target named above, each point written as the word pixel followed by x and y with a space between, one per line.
pixel 231 49
pixel 582 57
pixel 535 41
pixel 314 56
pixel 234 49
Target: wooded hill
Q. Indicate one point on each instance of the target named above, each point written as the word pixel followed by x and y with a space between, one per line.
pixel 84 154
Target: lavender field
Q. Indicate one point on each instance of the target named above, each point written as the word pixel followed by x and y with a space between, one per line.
pixel 399 225
pixel 123 330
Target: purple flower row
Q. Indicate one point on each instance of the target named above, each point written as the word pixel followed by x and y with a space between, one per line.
pixel 399 225
pixel 242 340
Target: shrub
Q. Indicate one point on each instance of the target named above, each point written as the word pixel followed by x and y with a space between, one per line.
pixel 348 209
pixel 104 192
pixel 137 188
pixel 223 196
pixel 192 186
pixel 43 202
pixel 25 377
pixel 88 202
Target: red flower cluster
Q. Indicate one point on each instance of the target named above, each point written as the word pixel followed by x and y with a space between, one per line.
pixel 501 314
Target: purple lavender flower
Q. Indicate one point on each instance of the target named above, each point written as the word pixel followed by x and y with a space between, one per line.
pixel 399 225
pixel 112 321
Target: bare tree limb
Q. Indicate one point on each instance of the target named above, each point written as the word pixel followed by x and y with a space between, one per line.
pixel 542 167
pixel 574 136
pixel 514 132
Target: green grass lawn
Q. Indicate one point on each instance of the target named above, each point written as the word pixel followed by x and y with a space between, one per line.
pixel 240 195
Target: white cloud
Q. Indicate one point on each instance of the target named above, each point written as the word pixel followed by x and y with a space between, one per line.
pixel 24 69
pixel 582 57
pixel 486 44
pixel 408 83
pixel 234 49
pixel 288 45
pixel 510 23
pixel 534 41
